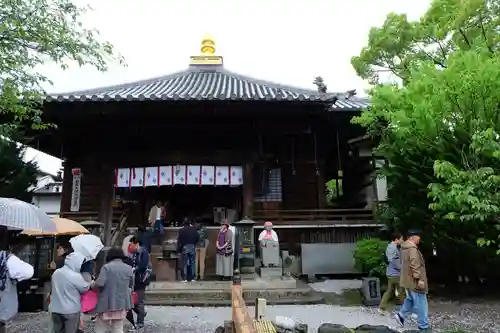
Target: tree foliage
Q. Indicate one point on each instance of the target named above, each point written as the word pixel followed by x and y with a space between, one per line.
pixel 35 32
pixel 16 176
pixel 448 25
pixel 440 129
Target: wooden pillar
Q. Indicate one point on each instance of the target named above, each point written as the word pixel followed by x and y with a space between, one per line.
pixel 107 196
pixel 247 191
pixel 321 185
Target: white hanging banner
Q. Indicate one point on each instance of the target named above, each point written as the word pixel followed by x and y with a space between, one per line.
pixel 123 177
pixel 207 175
pixel 193 175
pixel 137 177
pixel 151 178
pixel 235 175
pixel 221 175
pixel 75 190
pixel 165 175
pixel 180 173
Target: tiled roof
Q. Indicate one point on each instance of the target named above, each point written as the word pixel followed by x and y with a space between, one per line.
pixel 198 82
pixel 348 104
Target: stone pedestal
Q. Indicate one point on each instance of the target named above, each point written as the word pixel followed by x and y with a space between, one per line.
pixel 167 269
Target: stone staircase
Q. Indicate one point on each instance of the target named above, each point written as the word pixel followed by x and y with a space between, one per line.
pixel 218 293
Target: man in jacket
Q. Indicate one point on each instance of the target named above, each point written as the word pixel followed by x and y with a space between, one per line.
pixel 201 251
pixel 67 286
pixel 142 268
pixel 186 242
pixel 414 280
pixel 393 271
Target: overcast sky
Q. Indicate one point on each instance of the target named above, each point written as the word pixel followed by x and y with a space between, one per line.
pixel 284 41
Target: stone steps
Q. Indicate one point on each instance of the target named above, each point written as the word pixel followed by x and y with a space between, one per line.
pixel 222 297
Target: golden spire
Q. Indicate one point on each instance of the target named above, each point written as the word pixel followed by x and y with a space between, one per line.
pixel 207 45
pixel 207 56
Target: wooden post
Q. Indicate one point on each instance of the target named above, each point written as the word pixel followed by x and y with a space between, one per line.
pixel 321 185
pixel 106 209
pixel 247 191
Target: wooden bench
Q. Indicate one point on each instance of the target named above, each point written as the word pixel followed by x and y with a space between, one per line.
pixel 242 321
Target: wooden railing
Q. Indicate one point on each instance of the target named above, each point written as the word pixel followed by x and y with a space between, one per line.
pixel 88 215
pixel 80 216
pixel 241 319
pixel 316 216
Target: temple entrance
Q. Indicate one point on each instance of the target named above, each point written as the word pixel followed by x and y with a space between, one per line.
pixel 201 204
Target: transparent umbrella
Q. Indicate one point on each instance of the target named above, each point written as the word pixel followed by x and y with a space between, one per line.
pixel 17 214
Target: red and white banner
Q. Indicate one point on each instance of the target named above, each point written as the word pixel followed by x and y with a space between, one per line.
pixel 151 178
pixel 193 174
pixel 169 175
pixel 137 177
pixel 180 174
pixel 165 175
pixel 235 175
pixel 76 189
pixel 207 175
pixel 123 177
pixel 221 175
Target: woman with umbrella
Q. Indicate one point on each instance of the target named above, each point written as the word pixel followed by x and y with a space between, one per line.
pixel 15 214
pixel 12 270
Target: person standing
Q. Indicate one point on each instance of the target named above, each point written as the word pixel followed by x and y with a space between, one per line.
pixel 414 280
pixel 12 271
pixel 187 239
pixel 392 253
pixel 67 286
pixel 157 214
pixel 142 274
pixel 115 283
pixel 224 264
pixel 201 251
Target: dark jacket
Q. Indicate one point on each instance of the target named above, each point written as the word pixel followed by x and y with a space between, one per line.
pixel 140 262
pixel 188 235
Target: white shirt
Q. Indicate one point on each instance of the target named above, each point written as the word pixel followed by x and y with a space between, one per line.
pixel 268 235
pixel 158 213
pixel 18 269
pixel 233 231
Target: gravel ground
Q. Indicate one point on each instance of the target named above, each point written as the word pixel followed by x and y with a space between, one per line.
pixel 478 317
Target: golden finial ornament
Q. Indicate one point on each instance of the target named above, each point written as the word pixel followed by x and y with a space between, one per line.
pixel 207 56
pixel 207 45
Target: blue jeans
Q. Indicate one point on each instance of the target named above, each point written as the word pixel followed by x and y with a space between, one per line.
pixel 417 303
pixel 188 262
pixel 158 226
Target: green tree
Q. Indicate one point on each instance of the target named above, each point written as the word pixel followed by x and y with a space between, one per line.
pixel 34 32
pixel 16 176
pixel 436 128
pixel 448 25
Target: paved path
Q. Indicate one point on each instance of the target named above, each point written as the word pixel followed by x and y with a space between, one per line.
pixel 482 317
pixel 201 320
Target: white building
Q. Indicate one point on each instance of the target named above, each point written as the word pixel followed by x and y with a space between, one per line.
pixel 47 192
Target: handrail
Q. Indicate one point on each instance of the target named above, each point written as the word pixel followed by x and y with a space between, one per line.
pixel 242 321
pixel 317 216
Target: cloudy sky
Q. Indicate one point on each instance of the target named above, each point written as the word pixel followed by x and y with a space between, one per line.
pixel 284 41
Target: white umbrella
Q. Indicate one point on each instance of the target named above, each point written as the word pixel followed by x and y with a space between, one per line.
pixel 17 214
pixel 87 245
